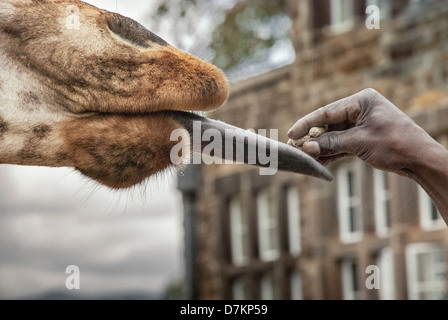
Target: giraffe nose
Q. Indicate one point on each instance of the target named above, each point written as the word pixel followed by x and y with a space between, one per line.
pixel 243 146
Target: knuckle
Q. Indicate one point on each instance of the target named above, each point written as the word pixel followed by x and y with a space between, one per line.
pixel 368 97
pixel 328 143
pixel 369 92
pixel 325 112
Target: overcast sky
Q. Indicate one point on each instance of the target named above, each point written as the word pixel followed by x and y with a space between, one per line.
pixel 53 218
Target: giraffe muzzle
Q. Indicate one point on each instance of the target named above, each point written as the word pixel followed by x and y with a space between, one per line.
pixel 232 144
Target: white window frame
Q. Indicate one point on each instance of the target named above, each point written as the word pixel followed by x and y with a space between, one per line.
pixel 239 289
pixel 381 197
pixel 385 7
pixel 348 280
pixel 346 202
pixel 268 227
pixel 385 262
pixel 267 287
pixel 296 291
pixel 238 233
pixel 294 226
pixel 436 287
pixel 426 208
pixel 342 15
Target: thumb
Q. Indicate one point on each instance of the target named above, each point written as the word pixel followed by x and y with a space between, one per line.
pixel 332 143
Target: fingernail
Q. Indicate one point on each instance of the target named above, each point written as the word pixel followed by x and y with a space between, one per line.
pixel 312 148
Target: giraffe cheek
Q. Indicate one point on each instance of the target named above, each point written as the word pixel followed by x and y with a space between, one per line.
pixel 121 151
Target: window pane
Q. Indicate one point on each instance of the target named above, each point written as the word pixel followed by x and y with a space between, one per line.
pixel 342 11
pixel 426 267
pixel 350 184
pixel 434 212
pixel 296 286
pixel 382 202
pixel 354 275
pixel 267 287
pixel 293 210
pixel 349 205
pixel 423 262
pixel 387 277
pixel 352 220
pixel 267 227
pixel 240 290
pixel 387 214
pixel 430 217
pixel 350 281
pixel 238 232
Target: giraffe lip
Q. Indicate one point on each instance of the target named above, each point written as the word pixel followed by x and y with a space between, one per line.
pixel 288 158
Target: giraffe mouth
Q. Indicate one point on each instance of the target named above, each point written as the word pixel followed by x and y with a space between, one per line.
pixel 234 144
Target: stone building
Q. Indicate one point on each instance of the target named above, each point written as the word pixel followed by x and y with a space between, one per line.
pixel 290 236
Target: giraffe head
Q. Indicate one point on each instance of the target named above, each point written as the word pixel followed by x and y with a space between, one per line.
pixel 100 61
pixel 94 90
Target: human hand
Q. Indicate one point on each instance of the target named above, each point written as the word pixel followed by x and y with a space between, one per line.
pixel 369 126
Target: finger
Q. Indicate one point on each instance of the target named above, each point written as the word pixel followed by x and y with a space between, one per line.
pixel 332 144
pixel 326 160
pixel 290 142
pixel 344 110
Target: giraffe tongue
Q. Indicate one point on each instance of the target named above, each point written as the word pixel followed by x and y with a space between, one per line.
pixel 247 147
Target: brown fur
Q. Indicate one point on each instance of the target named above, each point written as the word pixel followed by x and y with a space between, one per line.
pixel 120 150
pixel 3 127
pixel 118 76
pixel 106 81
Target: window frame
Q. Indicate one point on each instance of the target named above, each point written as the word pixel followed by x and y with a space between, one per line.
pixel 386 264
pixel 296 283
pixel 426 208
pixel 294 223
pixel 338 24
pixel 239 232
pixel 414 285
pixel 267 287
pixel 346 202
pixel 267 221
pixel 382 197
pixel 240 289
pixel 350 280
pixel 385 7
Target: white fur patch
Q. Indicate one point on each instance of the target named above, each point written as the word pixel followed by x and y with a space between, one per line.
pixel 7 11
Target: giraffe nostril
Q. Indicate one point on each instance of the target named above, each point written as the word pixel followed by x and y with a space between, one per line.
pixel 133 32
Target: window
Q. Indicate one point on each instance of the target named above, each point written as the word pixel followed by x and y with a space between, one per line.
pixel 342 15
pixel 239 236
pixel 426 268
pixel 385 263
pixel 351 289
pixel 296 286
pixel 430 217
pixel 293 211
pixel 382 202
pixel 268 236
pixel 267 287
pixel 385 7
pixel 349 205
pixel 240 289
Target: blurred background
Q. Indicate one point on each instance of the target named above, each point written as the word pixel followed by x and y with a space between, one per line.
pixel 225 232
pixel 127 244
pixel 295 237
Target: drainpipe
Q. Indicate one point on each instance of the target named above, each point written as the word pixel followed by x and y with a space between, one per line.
pixel 187 183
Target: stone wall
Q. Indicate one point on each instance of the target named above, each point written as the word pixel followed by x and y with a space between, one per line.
pixel 407 61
